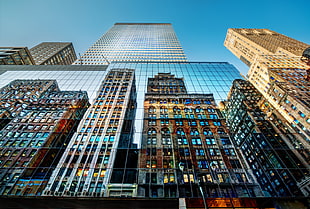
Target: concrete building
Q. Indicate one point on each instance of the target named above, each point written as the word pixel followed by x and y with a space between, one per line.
pixel 247 43
pixel 53 53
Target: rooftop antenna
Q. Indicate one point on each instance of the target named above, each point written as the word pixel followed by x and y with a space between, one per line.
pixel 80 59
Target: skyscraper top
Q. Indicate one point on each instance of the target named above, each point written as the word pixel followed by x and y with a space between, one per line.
pixel 268 41
pixel 135 42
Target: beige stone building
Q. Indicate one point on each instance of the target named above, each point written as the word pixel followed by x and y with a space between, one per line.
pixel 247 43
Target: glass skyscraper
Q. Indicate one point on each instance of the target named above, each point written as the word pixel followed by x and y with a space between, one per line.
pixel 135 42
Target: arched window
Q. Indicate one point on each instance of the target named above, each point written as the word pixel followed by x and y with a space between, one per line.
pixel 152 109
pixel 210 109
pixel 163 109
pixel 207 132
pixel 151 138
pixel 176 109
pixel 165 131
pixel 198 110
pixel 165 136
pixel 151 131
pixel 180 132
pixel 194 132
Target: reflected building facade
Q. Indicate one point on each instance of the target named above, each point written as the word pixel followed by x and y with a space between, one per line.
pixel 86 166
pixel 279 75
pixel 279 167
pixel 186 149
pixel 33 141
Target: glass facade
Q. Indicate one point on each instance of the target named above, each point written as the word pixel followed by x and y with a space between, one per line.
pixel 152 126
pixel 69 78
pixel 280 169
pixel 33 140
pixel 186 148
pixel 107 133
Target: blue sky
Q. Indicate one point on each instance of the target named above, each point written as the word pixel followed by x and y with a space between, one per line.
pixel 200 25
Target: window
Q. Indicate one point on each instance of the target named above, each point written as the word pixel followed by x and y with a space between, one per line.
pixel 202 164
pixel 151 131
pixel 152 110
pixel 217 123
pixel 212 116
pixel 207 132
pixel 180 131
pixel 196 141
pixel 194 132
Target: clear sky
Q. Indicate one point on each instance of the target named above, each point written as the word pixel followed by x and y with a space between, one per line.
pixel 200 25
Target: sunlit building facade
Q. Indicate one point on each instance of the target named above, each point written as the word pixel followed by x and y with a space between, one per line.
pixel 135 42
pixel 53 53
pixel 247 43
pixel 282 81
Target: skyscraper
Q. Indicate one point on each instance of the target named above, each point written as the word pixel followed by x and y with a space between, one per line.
pixel 135 42
pixel 283 82
pixel 247 43
pixel 277 72
pixel 53 53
